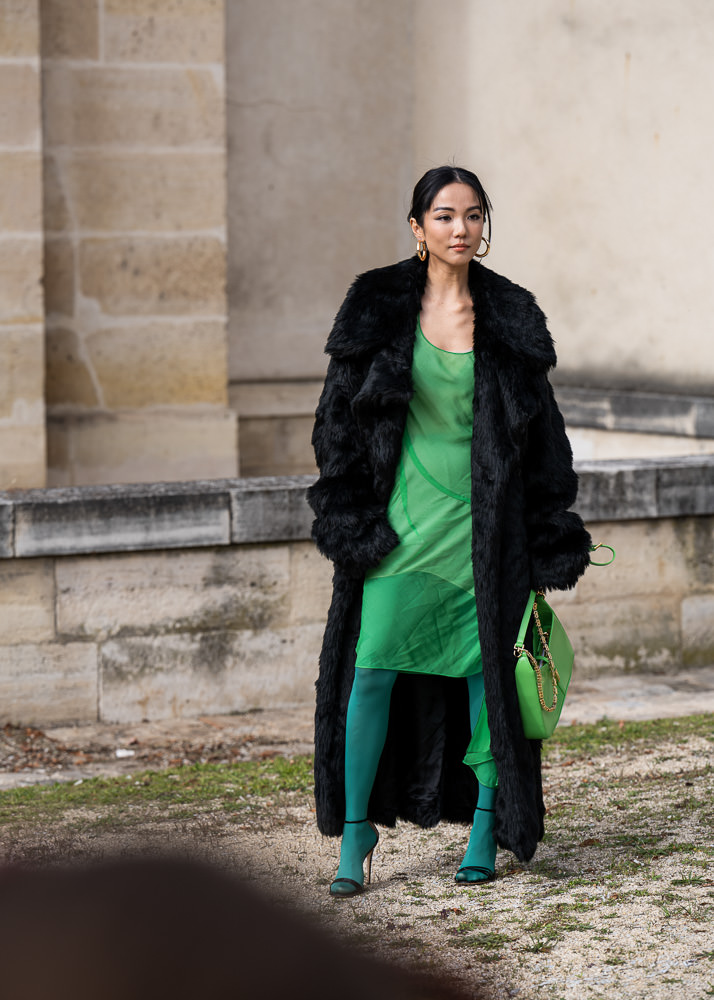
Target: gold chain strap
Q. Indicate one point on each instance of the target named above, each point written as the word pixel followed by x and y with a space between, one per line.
pixel 536 666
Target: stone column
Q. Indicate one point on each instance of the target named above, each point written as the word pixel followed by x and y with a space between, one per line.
pixel 135 216
pixel 22 410
pixel 320 112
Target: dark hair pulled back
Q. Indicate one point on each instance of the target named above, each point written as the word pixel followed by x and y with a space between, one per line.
pixel 428 186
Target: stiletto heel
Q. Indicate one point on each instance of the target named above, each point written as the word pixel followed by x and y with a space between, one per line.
pixel 489 874
pixel 343 887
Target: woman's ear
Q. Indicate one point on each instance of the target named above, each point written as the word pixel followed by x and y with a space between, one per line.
pixel 416 229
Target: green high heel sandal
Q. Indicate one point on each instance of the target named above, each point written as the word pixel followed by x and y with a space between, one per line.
pixel 487 874
pixel 343 887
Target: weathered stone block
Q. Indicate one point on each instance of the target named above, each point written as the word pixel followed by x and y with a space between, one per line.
pixel 642 633
pixel 651 411
pixel 192 591
pixel 275 399
pixel 7 529
pixel 704 417
pixel 584 407
pixel 181 276
pixel 56 211
pixel 156 107
pixel 21 280
pixel 142 447
pixel 275 421
pixel 69 381
pixel 59 454
pixel 310 584
pixel 656 414
pixel 59 277
pixel 698 630
pixel 594 445
pixel 686 486
pixel 160 363
pixel 103 519
pixel 19 29
pixel 22 376
pixel 22 408
pixel 271 509
pixel 20 108
pixel 615 491
pixel 181 676
pixel 27 602
pixel 49 684
pixel 22 455
pixel 695 538
pixel 149 192
pixel 156 30
pixel 656 556
pixel 20 192
pixel 276 446
pixel 70 30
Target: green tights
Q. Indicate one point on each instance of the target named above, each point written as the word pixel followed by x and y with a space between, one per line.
pixel 480 859
pixel 365 735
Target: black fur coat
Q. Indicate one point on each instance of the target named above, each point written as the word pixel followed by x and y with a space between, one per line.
pixel 524 536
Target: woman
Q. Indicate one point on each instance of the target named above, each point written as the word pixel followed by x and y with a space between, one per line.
pixel 445 482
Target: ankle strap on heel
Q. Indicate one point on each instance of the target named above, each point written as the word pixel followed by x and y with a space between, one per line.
pixel 482 809
pixel 365 820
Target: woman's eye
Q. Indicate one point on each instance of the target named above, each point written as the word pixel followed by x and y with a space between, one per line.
pixel 476 216
pixel 443 218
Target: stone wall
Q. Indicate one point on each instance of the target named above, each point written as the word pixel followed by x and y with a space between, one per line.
pixel 135 249
pixel 124 603
pixel 22 409
pixel 583 120
pixel 174 175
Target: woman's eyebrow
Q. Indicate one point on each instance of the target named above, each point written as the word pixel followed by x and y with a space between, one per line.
pixel 445 208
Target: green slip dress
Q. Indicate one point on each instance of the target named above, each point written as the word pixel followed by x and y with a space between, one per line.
pixel 418 606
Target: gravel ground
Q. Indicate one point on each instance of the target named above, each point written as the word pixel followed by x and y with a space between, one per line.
pixel 619 900
pixel 30 756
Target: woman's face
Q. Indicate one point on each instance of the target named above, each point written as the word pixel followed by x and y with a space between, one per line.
pixel 453 225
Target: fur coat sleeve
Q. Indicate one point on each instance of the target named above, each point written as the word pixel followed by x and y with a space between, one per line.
pixel 350 526
pixel 558 545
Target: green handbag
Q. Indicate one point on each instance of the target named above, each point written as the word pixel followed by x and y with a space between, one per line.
pixel 542 677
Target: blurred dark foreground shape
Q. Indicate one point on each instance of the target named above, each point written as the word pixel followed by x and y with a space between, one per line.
pixel 154 929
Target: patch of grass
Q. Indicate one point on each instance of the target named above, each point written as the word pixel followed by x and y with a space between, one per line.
pixel 543 936
pixel 577 925
pixel 416 943
pixel 583 740
pixel 229 785
pixel 488 942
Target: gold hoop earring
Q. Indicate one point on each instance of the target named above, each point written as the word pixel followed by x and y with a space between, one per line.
pixel 421 249
pixel 486 251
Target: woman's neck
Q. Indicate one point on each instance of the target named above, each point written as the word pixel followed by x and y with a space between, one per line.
pixel 447 284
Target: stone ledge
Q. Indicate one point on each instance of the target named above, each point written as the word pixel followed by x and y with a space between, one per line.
pixel 270 509
pixel 627 490
pixel 639 412
pixel 88 519
pixel 118 518
pixel 7 529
